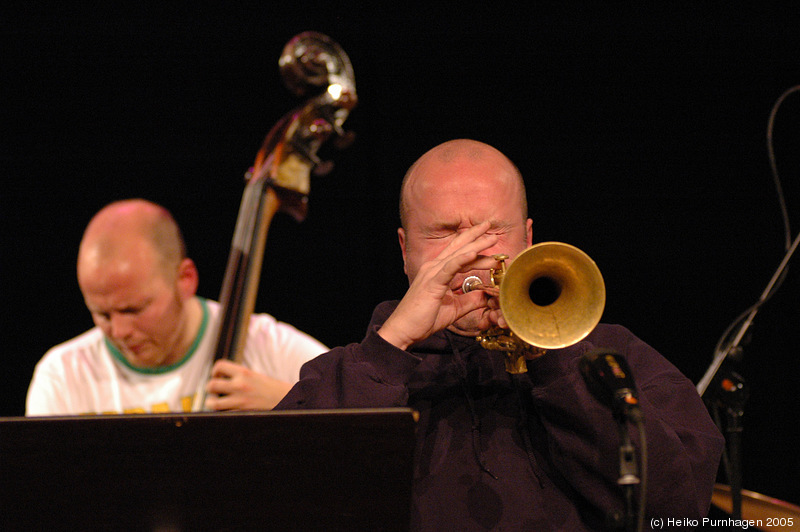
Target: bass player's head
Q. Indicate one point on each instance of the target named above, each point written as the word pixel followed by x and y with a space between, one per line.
pixel 138 283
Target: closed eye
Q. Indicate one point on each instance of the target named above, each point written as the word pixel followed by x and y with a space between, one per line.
pixel 130 311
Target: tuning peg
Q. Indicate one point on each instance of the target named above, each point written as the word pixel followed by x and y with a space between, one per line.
pixel 323 168
pixel 343 139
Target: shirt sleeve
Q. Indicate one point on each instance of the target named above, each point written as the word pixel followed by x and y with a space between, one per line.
pixel 683 444
pixel 372 373
pixel 47 391
pixel 278 349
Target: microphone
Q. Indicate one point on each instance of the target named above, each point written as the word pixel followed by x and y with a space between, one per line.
pixel 609 378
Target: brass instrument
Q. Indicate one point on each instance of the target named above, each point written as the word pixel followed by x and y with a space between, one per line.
pixel 552 295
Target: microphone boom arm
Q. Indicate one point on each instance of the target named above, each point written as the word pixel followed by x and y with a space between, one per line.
pixel 722 354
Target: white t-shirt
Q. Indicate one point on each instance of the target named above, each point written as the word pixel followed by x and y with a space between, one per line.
pixel 88 375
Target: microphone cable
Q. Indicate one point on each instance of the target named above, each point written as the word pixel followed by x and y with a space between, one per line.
pixel 725 339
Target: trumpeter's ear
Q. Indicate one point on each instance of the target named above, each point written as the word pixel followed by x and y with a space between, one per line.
pixel 401 237
pixel 529 231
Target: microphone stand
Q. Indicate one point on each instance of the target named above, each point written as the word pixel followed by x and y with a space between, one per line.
pixel 629 477
pixel 730 391
pixel 628 473
pixel 731 394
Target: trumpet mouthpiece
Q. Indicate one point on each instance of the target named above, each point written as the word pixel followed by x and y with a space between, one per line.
pixel 473 282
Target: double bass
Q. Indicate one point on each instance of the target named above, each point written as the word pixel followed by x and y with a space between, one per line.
pixel 315 67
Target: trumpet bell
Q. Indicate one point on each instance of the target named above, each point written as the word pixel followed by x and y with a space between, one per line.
pixel 552 295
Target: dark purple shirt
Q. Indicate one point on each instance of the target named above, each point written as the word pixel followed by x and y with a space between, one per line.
pixel 535 451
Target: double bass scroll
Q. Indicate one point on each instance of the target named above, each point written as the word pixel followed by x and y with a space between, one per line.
pixel 313 66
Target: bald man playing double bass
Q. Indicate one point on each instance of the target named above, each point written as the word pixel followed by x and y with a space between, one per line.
pixel 151 349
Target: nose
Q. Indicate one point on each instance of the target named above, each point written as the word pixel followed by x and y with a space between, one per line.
pixel 120 326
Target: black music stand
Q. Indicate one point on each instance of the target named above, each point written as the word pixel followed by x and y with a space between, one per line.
pixel 299 470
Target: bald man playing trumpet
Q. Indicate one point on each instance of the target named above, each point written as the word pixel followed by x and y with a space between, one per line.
pixel 495 450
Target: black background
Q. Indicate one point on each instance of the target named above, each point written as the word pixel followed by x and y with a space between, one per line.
pixel 640 130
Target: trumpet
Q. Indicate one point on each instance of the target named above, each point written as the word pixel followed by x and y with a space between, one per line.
pixel 552 295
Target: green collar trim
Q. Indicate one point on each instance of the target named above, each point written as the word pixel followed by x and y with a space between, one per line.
pixel 163 369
